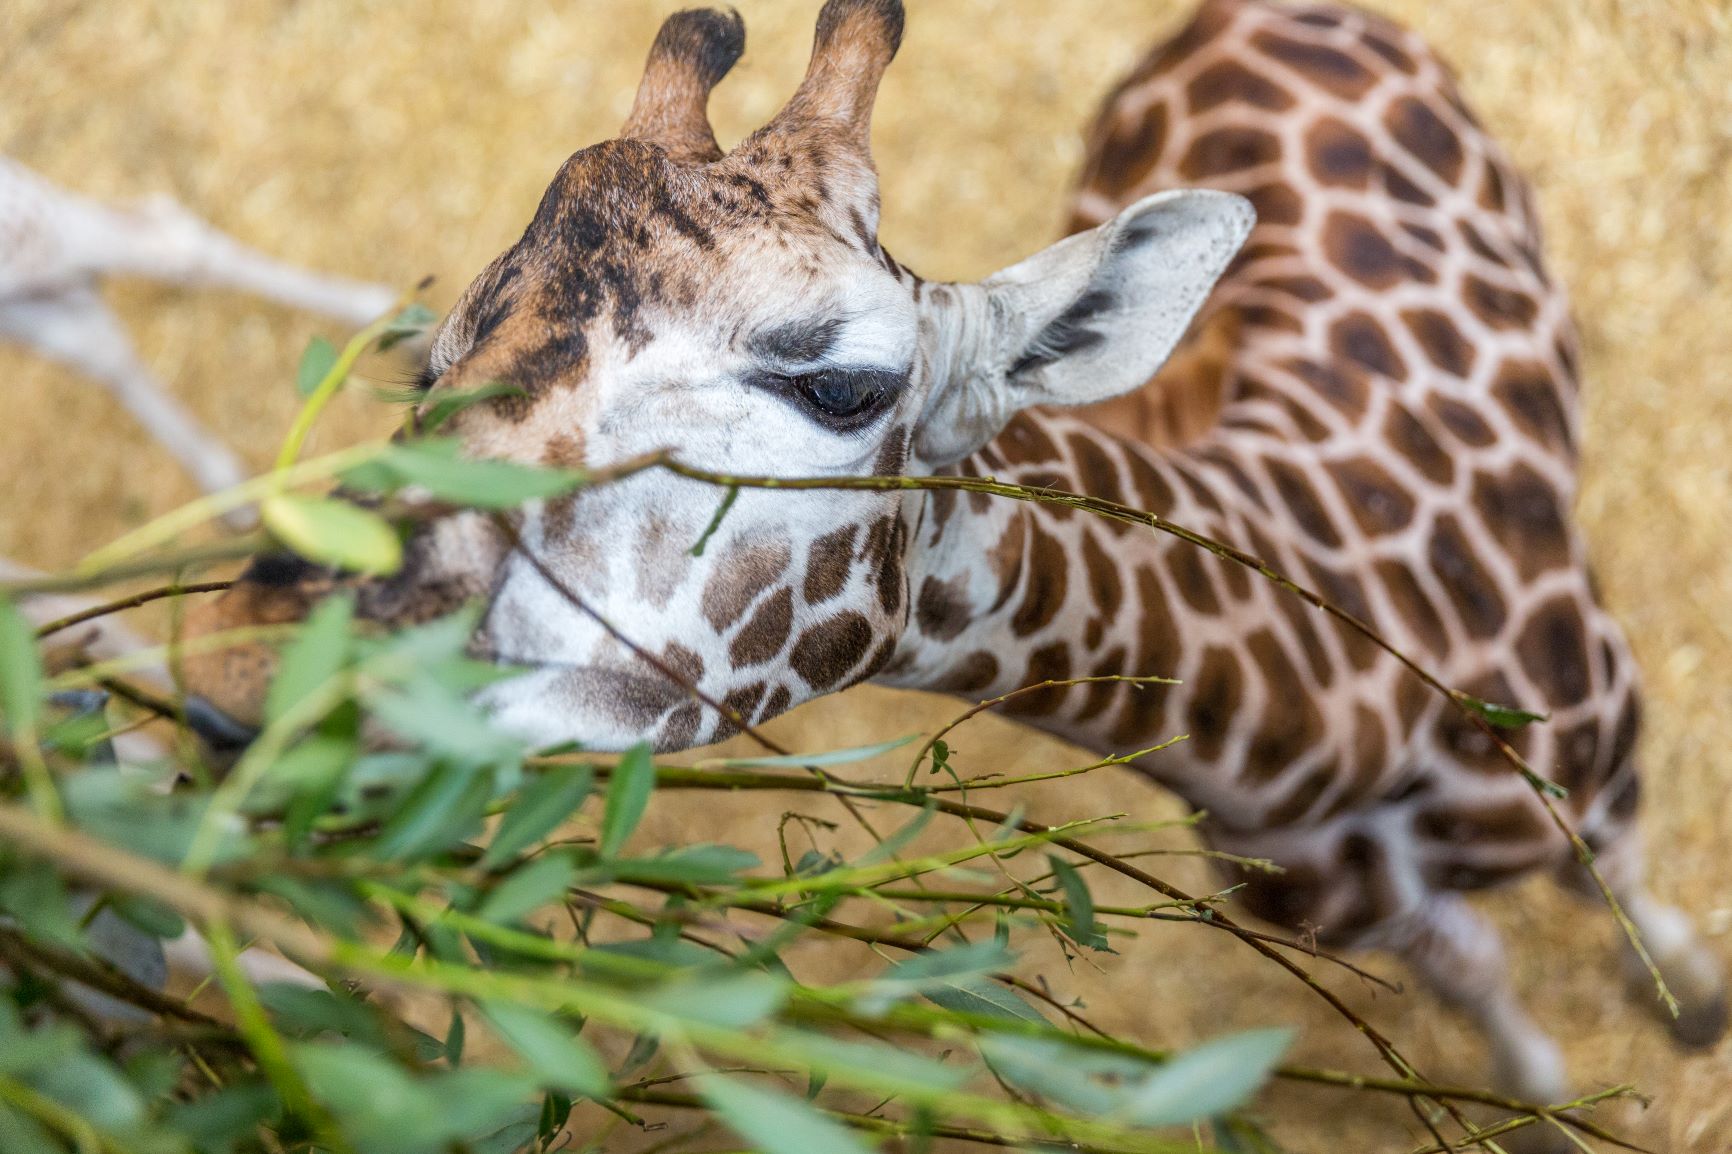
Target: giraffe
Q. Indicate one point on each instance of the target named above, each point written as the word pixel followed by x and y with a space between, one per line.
pixel 1379 399
pixel 55 246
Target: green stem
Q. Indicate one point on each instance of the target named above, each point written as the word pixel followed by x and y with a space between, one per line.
pixel 328 387
pixel 84 1137
pixel 268 1047
pixel 195 513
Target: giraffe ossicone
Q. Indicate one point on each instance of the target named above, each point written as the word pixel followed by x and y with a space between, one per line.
pixel 1392 381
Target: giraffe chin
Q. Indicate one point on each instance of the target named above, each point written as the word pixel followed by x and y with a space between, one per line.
pixel 603 708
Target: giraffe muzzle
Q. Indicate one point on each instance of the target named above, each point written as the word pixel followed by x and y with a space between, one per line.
pixel 221 734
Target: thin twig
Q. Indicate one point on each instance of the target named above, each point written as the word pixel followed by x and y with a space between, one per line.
pixel 132 602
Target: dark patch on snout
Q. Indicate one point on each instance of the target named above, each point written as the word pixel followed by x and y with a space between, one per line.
pixel 281 570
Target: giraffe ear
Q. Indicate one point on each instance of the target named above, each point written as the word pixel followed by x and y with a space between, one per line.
pixel 1089 318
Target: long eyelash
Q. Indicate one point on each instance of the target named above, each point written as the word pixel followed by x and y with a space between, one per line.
pixel 408 388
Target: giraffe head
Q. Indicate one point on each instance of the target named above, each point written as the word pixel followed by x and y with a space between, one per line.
pixel 738 311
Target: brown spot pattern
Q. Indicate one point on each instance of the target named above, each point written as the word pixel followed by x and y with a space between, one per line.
pixel 741 573
pixel 1421 132
pixel 1337 154
pixel 828 651
pixel 1379 505
pixel 1466 581
pixel 1229 82
pixel 1044 590
pixel 1227 150
pixel 941 610
pixel 1526 516
pixel 828 563
pixel 1330 69
pixel 765 634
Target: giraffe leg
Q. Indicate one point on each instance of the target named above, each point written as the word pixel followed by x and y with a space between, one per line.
pixel 1460 956
pixel 1691 970
pixel 75 328
pixel 163 241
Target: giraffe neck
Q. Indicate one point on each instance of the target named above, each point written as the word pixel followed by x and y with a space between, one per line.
pixel 1006 594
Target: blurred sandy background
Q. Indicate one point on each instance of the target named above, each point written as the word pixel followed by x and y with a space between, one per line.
pixel 394 139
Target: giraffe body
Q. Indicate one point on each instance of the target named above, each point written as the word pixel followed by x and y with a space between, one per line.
pixel 56 246
pixel 1379 401
pixel 1396 430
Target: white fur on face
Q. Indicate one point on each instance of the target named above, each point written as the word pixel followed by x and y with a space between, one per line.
pixel 624 549
pixel 1091 317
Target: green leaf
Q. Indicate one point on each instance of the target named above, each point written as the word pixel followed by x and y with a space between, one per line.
pixel 482 484
pixel 956 980
pixel 980 996
pixel 381 1107
pixel 305 1013
pixel 330 905
pixel 20 671
pixel 439 641
pixel 317 362
pixel 314 657
pixel 427 713
pixel 20 1134
pixel 887 849
pixel 448 403
pixel 539 809
pixel 555 1110
pixel 628 794
pixel 1052 1070
pixel 441 811
pixel 832 757
pixel 313 772
pixel 1502 716
pixel 1206 1081
pixel 530 887
pixel 934 965
pixel 126 810
pixel 889 1070
pixel 485 1109
pixel 698 865
pixel 307 766
pixel 217 1122
pixel 455 1035
pixel 1079 905
pixel 158 921
pixel 34 894
pixel 78 735
pixel 733 1001
pixel 776 1123
pixel 333 532
pixel 95 1089
pixel 552 1049
pixel 415 319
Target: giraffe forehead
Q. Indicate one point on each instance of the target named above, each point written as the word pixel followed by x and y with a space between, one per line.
pixel 627 245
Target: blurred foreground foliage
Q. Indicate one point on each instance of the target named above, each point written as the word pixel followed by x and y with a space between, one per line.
pixel 483 943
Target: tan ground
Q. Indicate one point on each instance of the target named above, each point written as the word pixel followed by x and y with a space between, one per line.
pixel 396 139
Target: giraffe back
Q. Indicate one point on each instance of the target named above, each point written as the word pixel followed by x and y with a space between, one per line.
pixel 1381 400
pixel 1397 249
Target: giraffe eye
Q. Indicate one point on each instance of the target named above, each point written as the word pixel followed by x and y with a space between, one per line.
pixel 839 394
pixel 841 398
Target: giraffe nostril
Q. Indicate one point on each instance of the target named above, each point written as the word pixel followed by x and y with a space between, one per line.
pixel 218 730
pixel 280 569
